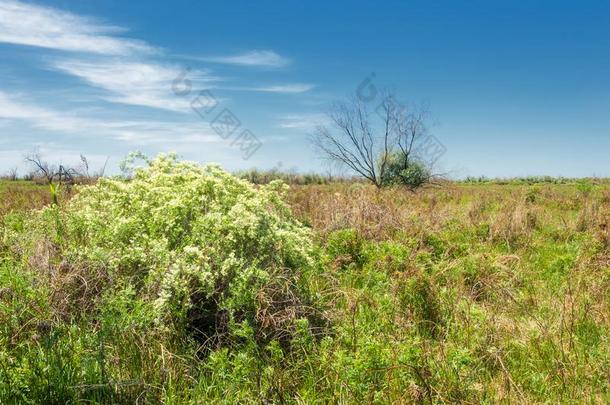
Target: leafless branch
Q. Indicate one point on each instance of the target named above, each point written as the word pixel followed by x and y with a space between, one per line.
pixel 365 143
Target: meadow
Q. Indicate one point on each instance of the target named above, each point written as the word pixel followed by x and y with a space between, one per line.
pixel 466 292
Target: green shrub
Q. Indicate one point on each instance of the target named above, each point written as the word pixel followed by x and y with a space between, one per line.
pixel 402 172
pixel 204 249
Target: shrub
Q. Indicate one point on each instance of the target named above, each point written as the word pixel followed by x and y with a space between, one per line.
pixel 401 172
pixel 205 249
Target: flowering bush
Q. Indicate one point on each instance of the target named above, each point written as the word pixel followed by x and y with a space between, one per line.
pixel 196 243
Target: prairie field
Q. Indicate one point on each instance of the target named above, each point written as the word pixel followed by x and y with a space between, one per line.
pixel 457 293
pixel 399 202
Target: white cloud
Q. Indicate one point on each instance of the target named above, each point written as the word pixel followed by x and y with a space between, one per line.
pixel 141 132
pixel 125 72
pixel 134 82
pixel 303 121
pixel 252 58
pixel 290 88
pixel 39 117
pixel 286 88
pixel 33 25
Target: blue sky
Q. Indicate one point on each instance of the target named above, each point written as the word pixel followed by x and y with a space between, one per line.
pixel 514 88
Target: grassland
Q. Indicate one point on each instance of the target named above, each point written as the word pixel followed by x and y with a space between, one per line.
pixel 464 293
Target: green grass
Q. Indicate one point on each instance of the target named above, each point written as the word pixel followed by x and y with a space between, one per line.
pixel 481 294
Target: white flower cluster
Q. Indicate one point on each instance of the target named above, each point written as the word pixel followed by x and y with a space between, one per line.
pixel 177 229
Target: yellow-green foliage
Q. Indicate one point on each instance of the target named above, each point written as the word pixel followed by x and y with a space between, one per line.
pixel 186 229
pixel 187 238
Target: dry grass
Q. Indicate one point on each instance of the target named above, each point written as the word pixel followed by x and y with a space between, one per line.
pixel 22 196
pixel 511 212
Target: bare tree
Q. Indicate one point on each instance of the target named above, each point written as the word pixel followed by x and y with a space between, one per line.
pixel 373 145
pixel 351 141
pixel 57 175
pixel 53 172
pixel 42 168
pixel 12 174
pixel 412 164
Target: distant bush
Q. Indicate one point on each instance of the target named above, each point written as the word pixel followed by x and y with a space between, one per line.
pixel 473 179
pixel 400 172
pixel 256 176
pixel 531 180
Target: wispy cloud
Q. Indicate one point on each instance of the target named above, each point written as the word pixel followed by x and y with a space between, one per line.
pixel 286 88
pixel 34 25
pixel 289 88
pixel 141 132
pixel 39 117
pixel 133 82
pixel 121 70
pixel 265 58
pixel 305 122
pixel 126 71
